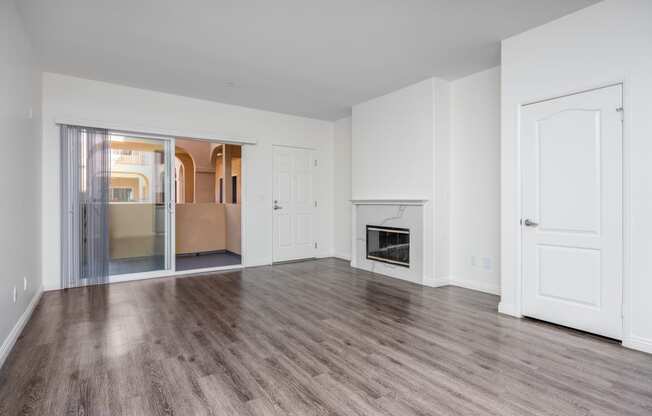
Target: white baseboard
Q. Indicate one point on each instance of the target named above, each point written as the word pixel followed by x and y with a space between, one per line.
pixel 509 309
pixel 49 288
pixel 639 344
pixel 474 285
pixel 11 339
pixel 436 282
pixel 257 262
pixel 342 256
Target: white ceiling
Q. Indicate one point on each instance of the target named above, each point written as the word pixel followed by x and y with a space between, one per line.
pixel 305 57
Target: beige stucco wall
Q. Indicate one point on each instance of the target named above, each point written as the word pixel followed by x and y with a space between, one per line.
pixel 132 231
pixel 206 228
pixel 233 228
pixel 205 186
pixel 200 227
pixel 189 175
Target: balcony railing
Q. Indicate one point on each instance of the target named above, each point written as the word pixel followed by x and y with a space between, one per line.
pixel 129 157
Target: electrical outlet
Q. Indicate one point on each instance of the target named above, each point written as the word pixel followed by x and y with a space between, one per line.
pixel 487 264
pixel 14 294
pixel 483 263
pixel 24 284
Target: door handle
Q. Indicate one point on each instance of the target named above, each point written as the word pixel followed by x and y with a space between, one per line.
pixel 277 206
pixel 529 223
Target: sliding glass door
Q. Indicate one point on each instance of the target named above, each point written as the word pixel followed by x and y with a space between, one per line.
pixel 116 205
pixel 139 205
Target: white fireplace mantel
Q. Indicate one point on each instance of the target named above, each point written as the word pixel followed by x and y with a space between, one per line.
pixel 390 201
pixel 403 212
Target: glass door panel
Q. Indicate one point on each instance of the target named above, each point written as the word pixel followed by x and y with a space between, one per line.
pixel 139 196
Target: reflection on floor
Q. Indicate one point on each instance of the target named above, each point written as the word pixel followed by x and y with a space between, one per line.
pixel 203 261
pixel 310 338
pixel 136 265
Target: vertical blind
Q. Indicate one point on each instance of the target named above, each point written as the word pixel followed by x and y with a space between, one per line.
pixel 85 176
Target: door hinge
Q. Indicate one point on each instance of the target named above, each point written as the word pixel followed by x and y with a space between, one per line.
pixel 315 244
pixel 315 162
pixel 315 204
pixel 621 110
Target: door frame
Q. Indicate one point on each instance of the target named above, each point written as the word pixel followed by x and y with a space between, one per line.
pixel 169 137
pixel 314 208
pixel 626 198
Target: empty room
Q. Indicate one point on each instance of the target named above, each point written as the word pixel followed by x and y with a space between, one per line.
pixel 373 207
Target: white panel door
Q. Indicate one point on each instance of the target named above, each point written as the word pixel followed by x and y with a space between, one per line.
pixel 293 205
pixel 572 211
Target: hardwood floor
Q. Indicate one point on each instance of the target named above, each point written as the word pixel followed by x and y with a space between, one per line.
pixel 312 338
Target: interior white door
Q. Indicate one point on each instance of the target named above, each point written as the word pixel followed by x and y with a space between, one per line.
pixel 293 205
pixel 572 211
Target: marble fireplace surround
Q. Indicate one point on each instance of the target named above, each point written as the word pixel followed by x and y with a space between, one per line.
pixel 407 213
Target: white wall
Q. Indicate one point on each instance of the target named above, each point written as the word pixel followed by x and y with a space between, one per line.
pixel 475 181
pixel 393 146
pixel 342 189
pixel 610 41
pixel 92 100
pixel 440 141
pixel 400 151
pixel 441 195
pixel 20 162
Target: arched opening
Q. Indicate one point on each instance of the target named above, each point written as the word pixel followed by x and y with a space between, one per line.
pixel 129 187
pixel 188 164
pixel 226 159
pixel 179 181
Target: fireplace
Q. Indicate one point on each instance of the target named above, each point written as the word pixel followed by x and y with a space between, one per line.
pixel 389 245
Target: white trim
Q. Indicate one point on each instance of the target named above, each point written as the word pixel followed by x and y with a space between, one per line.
pixel 314 209
pixel 134 128
pixel 11 339
pixel 170 203
pixel 435 282
pixel 51 288
pixel 390 201
pixel 354 240
pixel 342 256
pixel 158 274
pixel 574 92
pixel 485 287
pixel 509 309
pixel 626 194
pixel 516 308
pixel 135 135
pixel 186 273
pixel 638 343
pixel 258 263
pixel 161 274
pixel 244 180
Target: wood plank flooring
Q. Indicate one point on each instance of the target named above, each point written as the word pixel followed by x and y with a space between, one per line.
pixel 312 338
